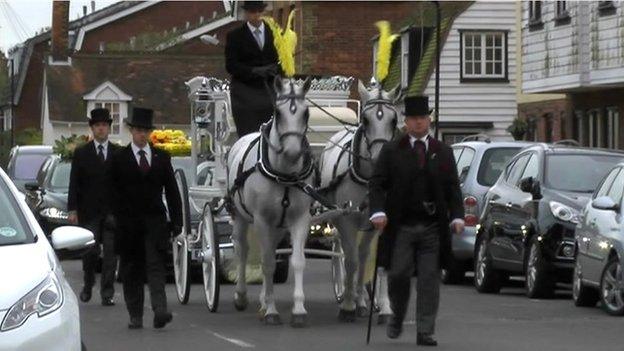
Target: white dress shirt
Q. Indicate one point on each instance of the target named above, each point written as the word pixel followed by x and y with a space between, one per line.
pixel 413 139
pixel 137 156
pixel 253 32
pixel 104 150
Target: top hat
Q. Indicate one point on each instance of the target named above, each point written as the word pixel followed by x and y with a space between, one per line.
pixel 141 118
pixel 100 115
pixel 416 106
pixel 254 5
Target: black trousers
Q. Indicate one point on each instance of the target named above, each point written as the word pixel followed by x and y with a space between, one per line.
pixel 416 247
pixel 104 234
pixel 146 264
pixel 251 106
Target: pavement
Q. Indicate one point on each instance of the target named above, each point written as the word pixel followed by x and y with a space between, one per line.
pixel 467 321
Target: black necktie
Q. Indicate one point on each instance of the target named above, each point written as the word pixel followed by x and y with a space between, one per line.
pixel 421 150
pixel 143 164
pixel 101 153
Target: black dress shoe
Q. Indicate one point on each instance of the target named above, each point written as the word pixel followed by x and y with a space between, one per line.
pixel 135 323
pixel 394 328
pixel 161 319
pixel 85 295
pixel 426 340
pixel 108 301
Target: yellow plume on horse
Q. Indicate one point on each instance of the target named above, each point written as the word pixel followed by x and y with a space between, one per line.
pixel 285 41
pixel 384 50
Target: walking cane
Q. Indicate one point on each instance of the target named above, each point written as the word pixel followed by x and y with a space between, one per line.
pixel 372 296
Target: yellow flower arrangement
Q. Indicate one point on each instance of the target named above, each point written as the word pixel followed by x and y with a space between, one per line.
pixel 175 142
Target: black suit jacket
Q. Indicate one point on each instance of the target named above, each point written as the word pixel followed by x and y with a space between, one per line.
pixel 391 178
pixel 90 185
pixel 242 53
pixel 138 199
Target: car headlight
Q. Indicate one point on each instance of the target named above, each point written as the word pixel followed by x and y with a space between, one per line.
pixel 46 298
pixel 564 213
pixel 54 213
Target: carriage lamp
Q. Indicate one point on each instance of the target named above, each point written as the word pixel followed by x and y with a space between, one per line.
pixel 54 213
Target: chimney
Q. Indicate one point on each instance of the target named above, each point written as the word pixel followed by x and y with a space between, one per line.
pixel 60 22
pixel 84 10
pixel 92 6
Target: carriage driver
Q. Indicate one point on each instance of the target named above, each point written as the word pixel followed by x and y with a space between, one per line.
pixel 252 61
pixel 414 194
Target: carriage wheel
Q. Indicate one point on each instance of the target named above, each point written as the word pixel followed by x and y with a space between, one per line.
pixel 181 253
pixel 211 265
pixel 338 271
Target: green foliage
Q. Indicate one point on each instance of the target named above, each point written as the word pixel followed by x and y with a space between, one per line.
pixel 518 128
pixel 65 147
pixel 29 136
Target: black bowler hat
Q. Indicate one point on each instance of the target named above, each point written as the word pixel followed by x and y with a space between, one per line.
pixel 417 106
pixel 141 118
pixel 254 5
pixel 100 115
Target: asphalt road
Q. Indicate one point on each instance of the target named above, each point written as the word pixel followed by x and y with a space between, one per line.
pixel 467 321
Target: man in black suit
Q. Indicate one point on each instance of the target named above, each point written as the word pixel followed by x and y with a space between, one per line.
pixel 252 61
pixel 89 204
pixel 140 174
pixel 415 199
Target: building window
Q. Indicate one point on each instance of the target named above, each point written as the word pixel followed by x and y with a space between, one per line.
pixel 535 15
pixel 113 108
pixel 562 16
pixel 483 56
pixel 606 8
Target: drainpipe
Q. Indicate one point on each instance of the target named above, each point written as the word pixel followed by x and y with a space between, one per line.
pixel 437 74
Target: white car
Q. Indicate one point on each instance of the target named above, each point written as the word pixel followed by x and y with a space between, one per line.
pixel 38 309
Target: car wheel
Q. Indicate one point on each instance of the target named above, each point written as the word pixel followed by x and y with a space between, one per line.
pixel 539 281
pixel 582 295
pixel 612 288
pixel 455 273
pixel 487 279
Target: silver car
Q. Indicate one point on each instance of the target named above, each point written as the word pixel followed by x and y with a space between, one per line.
pixel 479 163
pixel 599 237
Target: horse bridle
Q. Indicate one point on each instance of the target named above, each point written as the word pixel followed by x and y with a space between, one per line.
pixel 379 103
pixel 281 100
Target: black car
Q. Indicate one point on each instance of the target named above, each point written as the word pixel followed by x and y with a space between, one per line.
pixel 47 197
pixel 527 225
pixel 25 162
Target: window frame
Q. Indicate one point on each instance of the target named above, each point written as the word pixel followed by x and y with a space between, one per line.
pixel 539 168
pixel 615 171
pixel 510 182
pixel 562 14
pixel 118 121
pixel 535 17
pixel 606 8
pixel 503 77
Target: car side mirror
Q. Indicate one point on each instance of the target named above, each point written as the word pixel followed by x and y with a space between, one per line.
pixel 532 186
pixel 605 203
pixel 31 186
pixel 72 238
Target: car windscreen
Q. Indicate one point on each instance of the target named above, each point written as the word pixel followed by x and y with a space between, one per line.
pixel 27 166
pixel 577 172
pixel 59 181
pixel 493 163
pixel 13 227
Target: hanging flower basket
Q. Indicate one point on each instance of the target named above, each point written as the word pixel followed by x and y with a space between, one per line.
pixel 518 128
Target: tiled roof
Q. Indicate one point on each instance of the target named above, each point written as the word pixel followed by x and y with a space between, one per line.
pixel 153 81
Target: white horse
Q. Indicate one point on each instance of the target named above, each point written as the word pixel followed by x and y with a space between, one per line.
pixel 263 171
pixel 346 164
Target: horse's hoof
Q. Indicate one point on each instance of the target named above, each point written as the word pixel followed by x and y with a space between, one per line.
pixel 240 301
pixel 345 316
pixel 299 320
pixel 272 319
pixel 362 311
pixel 261 313
pixel 383 319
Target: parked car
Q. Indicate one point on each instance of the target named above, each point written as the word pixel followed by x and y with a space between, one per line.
pixel 47 197
pixel 39 311
pixel 600 248
pixel 530 214
pixel 479 164
pixel 24 163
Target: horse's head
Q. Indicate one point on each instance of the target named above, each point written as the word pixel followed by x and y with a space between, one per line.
pixel 378 117
pixel 290 122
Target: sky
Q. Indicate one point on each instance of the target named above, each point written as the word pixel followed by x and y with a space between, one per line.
pixel 22 19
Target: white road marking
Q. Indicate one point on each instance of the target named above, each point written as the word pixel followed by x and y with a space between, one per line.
pixel 236 342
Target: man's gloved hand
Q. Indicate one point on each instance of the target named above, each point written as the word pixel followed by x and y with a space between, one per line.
pixel 272 70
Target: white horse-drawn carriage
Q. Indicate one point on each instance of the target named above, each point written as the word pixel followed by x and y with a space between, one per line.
pixel 313 157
